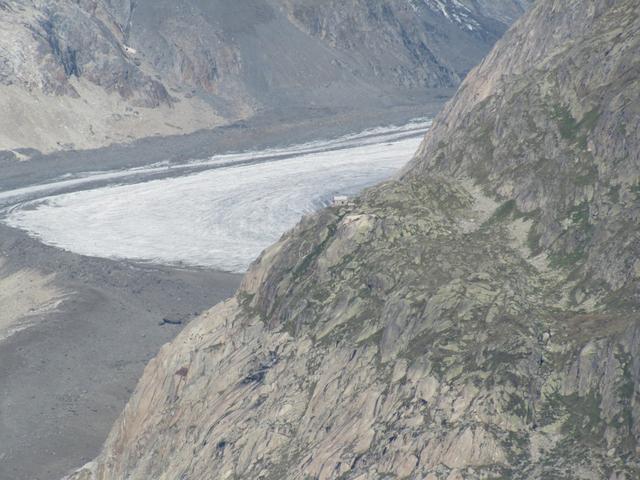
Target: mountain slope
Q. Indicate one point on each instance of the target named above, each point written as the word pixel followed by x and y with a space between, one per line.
pixel 575 121
pixel 475 318
pixel 93 72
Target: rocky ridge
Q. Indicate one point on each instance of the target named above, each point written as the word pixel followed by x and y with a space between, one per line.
pixel 476 317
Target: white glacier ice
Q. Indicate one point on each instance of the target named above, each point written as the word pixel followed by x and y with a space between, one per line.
pixel 220 218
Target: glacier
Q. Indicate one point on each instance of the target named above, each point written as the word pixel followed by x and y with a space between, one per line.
pixel 221 217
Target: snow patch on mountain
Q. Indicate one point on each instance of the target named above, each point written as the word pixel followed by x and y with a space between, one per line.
pixel 454 11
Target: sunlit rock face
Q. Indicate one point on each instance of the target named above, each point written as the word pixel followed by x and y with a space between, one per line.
pixel 475 318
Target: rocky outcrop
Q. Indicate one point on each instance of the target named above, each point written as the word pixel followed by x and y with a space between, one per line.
pixel 429 43
pixel 69 79
pixel 440 327
pixel 528 119
pixel 48 44
pixel 78 74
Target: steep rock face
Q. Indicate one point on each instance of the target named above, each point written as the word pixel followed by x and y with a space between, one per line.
pixel 64 40
pixel 69 79
pixel 431 329
pixel 431 43
pixel 93 72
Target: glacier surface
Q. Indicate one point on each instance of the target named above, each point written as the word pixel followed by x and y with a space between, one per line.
pixel 219 218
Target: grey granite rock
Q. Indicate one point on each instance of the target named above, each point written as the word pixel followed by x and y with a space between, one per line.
pixel 443 325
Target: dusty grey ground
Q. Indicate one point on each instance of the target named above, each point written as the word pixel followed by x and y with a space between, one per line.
pixel 64 380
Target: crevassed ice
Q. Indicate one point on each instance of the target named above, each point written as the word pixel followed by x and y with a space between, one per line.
pixel 220 218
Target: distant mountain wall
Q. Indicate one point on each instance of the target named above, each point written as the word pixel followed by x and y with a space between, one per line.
pixel 78 74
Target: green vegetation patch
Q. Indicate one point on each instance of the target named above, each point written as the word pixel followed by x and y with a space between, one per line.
pixel 614 193
pixel 635 189
pixel 562 260
pixel 579 214
pixel 505 210
pixel 509 211
pixel 627 387
pixel 573 130
pixel 567 125
pixel 585 421
pixel 587 178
